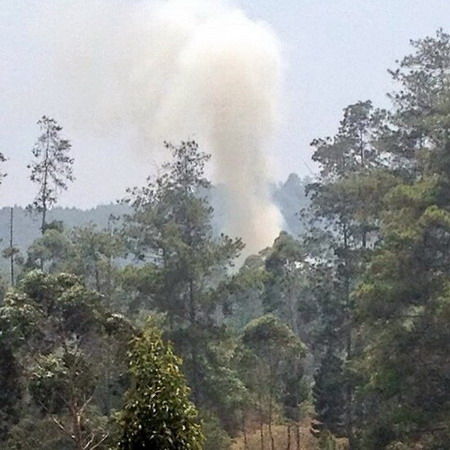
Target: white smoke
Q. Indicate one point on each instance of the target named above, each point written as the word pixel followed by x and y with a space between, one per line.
pixel 175 70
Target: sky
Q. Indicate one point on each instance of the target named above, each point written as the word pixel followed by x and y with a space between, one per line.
pixel 334 53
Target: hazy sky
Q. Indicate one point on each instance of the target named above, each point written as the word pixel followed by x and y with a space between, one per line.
pixel 335 52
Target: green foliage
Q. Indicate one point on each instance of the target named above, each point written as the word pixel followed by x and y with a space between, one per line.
pixel 157 412
pixel 170 230
pixel 327 441
pixel 417 118
pixel 52 168
pixel 10 390
pixel 271 365
pixel 402 300
pixel 59 333
pixel 342 231
pixel 285 281
pixel 36 433
pixel 366 287
pixel 329 396
pixel 216 437
pixel 50 251
pixel 243 292
pixel 95 253
pixel 268 336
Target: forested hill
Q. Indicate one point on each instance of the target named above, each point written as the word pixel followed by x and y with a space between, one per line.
pixel 291 199
pixel 288 196
pixel 153 333
pixel 26 226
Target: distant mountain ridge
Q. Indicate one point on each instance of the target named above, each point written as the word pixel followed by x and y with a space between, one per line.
pixel 288 196
pixel 26 225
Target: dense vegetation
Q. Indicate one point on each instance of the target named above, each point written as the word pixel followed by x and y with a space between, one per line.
pixel 148 330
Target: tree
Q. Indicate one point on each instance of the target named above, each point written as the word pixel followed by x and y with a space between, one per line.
pixel 157 413
pixel 170 230
pixel 51 251
pixel 243 292
pixel 94 254
pixel 270 350
pixel 52 168
pixel 58 331
pixel 402 299
pixel 329 396
pixel 343 229
pixel 352 149
pixel 10 392
pixel 285 283
pixel 12 251
pixel 424 90
pixel 403 315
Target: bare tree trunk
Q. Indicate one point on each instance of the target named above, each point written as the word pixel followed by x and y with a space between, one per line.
pixel 44 217
pixel 194 346
pixel 297 436
pixel 97 274
pixel 11 246
pixel 272 442
pixel 288 447
pixel 349 346
pixel 261 433
pixel 108 348
pixel 45 182
pixel 244 430
pixel 76 430
pixel 261 421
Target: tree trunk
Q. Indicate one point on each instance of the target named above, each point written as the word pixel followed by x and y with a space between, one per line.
pixel 297 436
pixel 261 421
pixel 11 246
pixel 44 217
pixel 261 433
pixel 272 442
pixel 244 431
pixel 97 274
pixel 288 447
pixel 45 183
pixel 194 346
pixel 76 430
pixel 349 346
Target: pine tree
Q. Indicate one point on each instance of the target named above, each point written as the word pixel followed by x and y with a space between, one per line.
pixel 343 227
pixel 51 169
pixel 402 302
pixel 170 229
pixel 329 396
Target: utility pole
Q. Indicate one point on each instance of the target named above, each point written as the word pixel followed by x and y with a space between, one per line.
pixel 12 250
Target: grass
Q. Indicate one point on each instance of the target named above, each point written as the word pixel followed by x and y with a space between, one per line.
pixel 307 441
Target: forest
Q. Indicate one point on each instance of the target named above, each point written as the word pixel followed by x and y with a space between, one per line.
pixel 144 326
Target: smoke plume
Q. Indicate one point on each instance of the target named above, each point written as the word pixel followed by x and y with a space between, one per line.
pixel 176 70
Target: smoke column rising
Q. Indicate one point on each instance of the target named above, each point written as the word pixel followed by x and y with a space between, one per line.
pixel 170 71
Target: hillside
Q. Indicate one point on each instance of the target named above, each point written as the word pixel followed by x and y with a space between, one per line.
pixel 288 196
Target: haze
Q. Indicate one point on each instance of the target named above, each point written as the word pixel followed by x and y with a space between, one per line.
pixel 334 53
